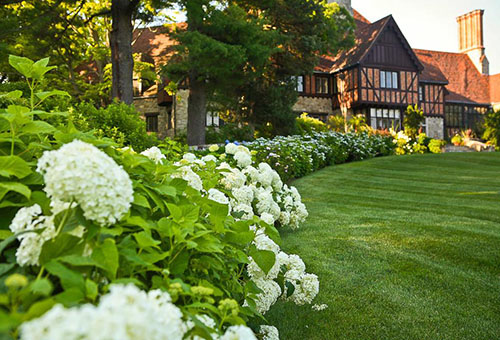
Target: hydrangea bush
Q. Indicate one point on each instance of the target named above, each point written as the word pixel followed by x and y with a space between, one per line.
pixel 137 246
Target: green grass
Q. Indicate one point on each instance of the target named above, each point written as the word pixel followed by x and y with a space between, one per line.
pixel 404 247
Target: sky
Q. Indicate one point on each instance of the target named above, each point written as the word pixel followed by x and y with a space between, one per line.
pixel 431 24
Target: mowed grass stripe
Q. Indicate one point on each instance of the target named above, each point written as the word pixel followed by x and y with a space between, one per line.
pixel 405 248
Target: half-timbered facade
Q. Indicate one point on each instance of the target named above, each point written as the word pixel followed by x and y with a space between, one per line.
pixel 377 78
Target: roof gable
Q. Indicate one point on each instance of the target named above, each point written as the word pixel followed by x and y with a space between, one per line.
pixel 383 34
pixel 495 88
pixel 466 84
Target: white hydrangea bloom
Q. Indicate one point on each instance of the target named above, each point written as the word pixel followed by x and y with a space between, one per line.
pixel 218 196
pixel 233 178
pixel 268 218
pixel 294 265
pixel 126 313
pixel 269 333
pixel 306 290
pixel 246 209
pixel 82 173
pixel 243 194
pixel 239 332
pixel 187 174
pixel 190 157
pixel 231 148
pixel 319 308
pixel 28 218
pixel 271 291
pixel 154 154
pixel 209 158
pixel 243 159
pixel 251 172
pixel 207 321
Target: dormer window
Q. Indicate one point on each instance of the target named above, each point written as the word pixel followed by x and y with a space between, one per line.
pixel 389 80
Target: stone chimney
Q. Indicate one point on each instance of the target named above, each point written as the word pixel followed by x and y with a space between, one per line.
pixel 345 3
pixel 471 39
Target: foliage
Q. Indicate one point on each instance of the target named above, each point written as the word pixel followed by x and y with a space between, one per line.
pixel 118 121
pixel 406 145
pixel 297 156
pixel 307 125
pixel 436 145
pixel 412 120
pixel 357 124
pixel 229 131
pixel 336 123
pixel 172 237
pixel 457 140
pixel 492 128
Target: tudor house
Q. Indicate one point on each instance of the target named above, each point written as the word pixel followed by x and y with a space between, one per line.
pixel 377 78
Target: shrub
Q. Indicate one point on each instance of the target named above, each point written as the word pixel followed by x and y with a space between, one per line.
pixel 457 140
pixel 492 128
pixel 358 124
pixel 336 123
pixel 229 131
pixel 436 145
pixel 412 120
pixel 119 121
pixel 150 248
pixel 307 125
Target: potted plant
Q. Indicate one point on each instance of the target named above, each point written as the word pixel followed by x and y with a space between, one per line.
pixel 457 140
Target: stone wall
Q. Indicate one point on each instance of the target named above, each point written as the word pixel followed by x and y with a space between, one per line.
pixel 146 104
pixel 434 127
pixel 181 110
pixel 313 105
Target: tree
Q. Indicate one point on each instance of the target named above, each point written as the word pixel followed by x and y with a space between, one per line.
pixel 242 54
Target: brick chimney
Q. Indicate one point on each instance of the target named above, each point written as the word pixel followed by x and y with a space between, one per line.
pixel 345 3
pixel 471 39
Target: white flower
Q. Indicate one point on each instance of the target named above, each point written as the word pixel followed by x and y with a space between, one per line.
pixel 187 174
pixel 190 157
pixel 306 290
pixel 319 308
pixel 269 333
pixel 27 219
pixel 268 218
pixel 271 291
pixel 126 313
pixel 233 178
pixel 243 194
pixel 217 196
pixel 246 209
pixel 243 159
pixel 80 172
pixel 154 154
pixel 231 148
pixel 209 158
pixel 238 333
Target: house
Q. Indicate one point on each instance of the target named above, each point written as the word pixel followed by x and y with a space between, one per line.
pixel 377 78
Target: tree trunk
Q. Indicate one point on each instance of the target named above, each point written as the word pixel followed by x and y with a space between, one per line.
pixel 197 107
pixel 121 49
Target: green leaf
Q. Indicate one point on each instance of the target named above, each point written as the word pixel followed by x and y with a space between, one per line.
pixel 37 127
pixel 22 65
pixel 40 68
pixel 22 189
pixel 12 95
pixel 175 211
pixel 41 286
pixel 14 166
pixel 180 263
pixel 91 289
pixel 39 308
pixel 47 94
pixel 106 255
pixel 70 297
pixel 141 201
pixel 166 190
pixel 79 261
pixel 68 277
pixel 265 259
pixel 290 288
pixel 241 238
pixel 145 240
pixel 62 245
pixel 5 267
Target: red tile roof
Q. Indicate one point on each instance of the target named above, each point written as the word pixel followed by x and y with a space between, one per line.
pixel 155 42
pixel 359 19
pixel 465 83
pixel 431 73
pixel 495 88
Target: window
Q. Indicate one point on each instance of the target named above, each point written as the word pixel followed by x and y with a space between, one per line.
pixel 382 119
pixel 300 84
pixel 389 80
pixel 212 119
pixel 152 123
pixel 321 85
pixel 421 93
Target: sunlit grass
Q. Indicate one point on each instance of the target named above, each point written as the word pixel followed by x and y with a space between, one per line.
pixel 405 248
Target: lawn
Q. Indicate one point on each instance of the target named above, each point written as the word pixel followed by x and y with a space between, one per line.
pixel 404 247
